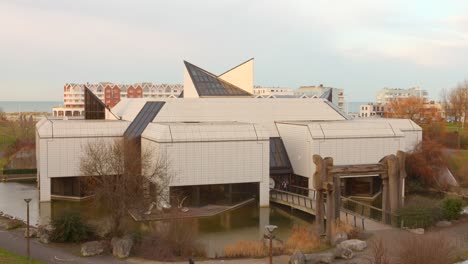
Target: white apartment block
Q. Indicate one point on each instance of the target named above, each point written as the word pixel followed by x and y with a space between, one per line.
pixel 272 91
pixel 385 95
pixel 110 94
pixel 371 110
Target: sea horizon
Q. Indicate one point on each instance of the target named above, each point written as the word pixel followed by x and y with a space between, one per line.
pixel 28 106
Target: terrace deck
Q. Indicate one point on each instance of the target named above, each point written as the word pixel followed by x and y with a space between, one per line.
pixel 176 213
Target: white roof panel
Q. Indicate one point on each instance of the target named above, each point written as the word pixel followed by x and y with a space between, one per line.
pixel 81 128
pixel 213 131
pixel 348 129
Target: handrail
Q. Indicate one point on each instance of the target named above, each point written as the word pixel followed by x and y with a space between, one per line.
pixel 291 193
pixel 361 203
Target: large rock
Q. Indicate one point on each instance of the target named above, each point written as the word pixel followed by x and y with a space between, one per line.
pixel 443 223
pixel 92 248
pixel 338 238
pixel 320 258
pixel 44 232
pixel 121 247
pixel 13 224
pixel 32 232
pixel 342 252
pixel 418 231
pixel 297 258
pixel 354 245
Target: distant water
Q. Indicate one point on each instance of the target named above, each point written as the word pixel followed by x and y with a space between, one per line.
pixel 353 107
pixel 28 106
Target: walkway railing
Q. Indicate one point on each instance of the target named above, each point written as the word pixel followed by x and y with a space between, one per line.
pixel 353 212
pixel 351 206
pixel 293 198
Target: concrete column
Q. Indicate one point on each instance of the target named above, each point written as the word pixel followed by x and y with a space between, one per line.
pixel 45 189
pixel 45 213
pixel 264 193
pixel 263 220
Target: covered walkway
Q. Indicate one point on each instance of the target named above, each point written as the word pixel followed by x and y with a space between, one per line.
pixel 307 204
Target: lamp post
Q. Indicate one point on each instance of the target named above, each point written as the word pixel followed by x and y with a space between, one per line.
pixel 27 225
pixel 270 236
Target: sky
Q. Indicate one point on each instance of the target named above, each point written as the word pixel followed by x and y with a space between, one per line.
pixel 359 45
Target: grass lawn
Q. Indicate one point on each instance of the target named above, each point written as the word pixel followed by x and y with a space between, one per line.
pixel 8 257
pixel 453 127
pixel 458 165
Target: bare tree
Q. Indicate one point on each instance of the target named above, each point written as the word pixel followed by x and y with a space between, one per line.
pixel 124 177
pixel 2 115
pixel 405 108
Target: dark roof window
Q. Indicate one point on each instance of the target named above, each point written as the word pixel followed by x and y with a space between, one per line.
pixel 208 84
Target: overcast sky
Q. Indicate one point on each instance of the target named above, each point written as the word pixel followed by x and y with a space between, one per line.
pixel 359 45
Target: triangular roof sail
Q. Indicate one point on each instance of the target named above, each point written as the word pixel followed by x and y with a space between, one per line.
pixel 241 75
pixel 207 84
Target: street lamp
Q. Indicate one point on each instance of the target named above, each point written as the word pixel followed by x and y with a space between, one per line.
pixel 27 200
pixel 270 236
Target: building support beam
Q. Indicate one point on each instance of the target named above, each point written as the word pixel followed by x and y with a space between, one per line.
pixel 264 193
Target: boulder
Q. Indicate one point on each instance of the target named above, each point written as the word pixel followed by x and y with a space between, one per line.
pixel 354 244
pixel 338 238
pixel 465 210
pixel 342 252
pixel 44 239
pixel 92 248
pixel 320 258
pixel 13 224
pixel 32 232
pixel 44 232
pixel 418 231
pixel 121 247
pixel 443 223
pixel 297 258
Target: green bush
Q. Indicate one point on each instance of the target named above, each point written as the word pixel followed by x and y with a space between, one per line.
pixel 70 228
pixel 413 216
pixel 451 208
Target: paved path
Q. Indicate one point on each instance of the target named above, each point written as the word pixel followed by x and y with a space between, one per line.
pixel 15 242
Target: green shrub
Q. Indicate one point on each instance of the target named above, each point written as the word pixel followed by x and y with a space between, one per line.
pixel 451 208
pixel 70 228
pixel 413 216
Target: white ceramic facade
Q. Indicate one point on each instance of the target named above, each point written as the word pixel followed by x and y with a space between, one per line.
pixel 225 139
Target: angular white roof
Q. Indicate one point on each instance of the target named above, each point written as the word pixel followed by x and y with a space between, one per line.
pixel 250 110
pixel 210 131
pixel 402 124
pixel 349 129
pixel 54 128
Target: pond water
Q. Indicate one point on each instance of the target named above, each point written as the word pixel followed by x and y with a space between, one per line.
pixel 246 223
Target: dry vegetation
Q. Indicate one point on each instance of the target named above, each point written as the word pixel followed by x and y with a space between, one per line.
pixel 341 227
pixel 433 248
pixel 171 241
pixel 246 248
pixel 424 162
pixel 302 238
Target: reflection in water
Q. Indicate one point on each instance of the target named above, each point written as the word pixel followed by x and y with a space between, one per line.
pixel 246 223
pixel 12 195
